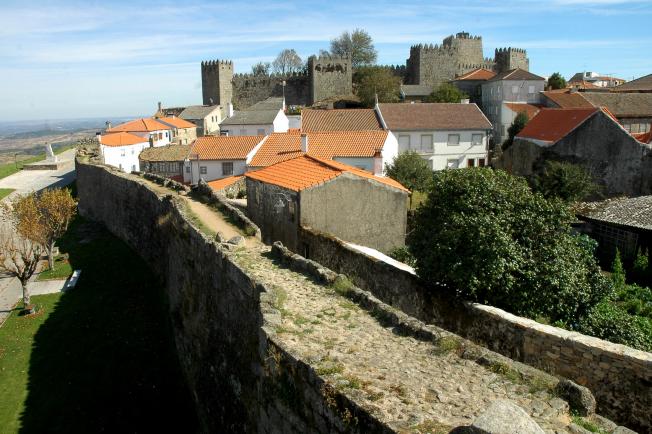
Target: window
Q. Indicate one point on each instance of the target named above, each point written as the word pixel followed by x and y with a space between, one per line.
pixel 133 167
pixel 133 151
pixel 476 139
pixel 452 164
pixel 227 168
pixel 261 131
pixel 122 152
pixel 291 208
pixel 502 130
pixel 203 170
pixel 453 139
pixel 470 162
pixel 426 142
pixel 515 90
pixel 481 162
pixel 160 136
pixel 530 89
pixel 187 169
pixel 403 142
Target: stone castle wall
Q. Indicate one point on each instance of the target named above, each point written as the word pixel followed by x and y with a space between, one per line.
pixel 241 378
pixel 248 89
pixel 619 377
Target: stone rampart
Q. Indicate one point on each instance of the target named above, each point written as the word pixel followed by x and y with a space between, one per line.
pixel 241 378
pixel 619 377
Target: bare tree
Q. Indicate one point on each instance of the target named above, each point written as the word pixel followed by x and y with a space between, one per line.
pixel 261 68
pixel 357 45
pixel 19 257
pixel 287 62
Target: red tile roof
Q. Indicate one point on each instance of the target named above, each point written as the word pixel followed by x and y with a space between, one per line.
pixel 178 122
pixel 339 120
pixel 121 139
pixel 551 125
pixel 284 146
pixel 476 74
pixel 224 147
pixel 307 171
pixel 516 74
pixel 643 137
pixel 220 184
pixel 567 99
pixel 433 116
pixel 530 109
pixel 140 125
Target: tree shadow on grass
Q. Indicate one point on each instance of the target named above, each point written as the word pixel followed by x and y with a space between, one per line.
pixel 104 360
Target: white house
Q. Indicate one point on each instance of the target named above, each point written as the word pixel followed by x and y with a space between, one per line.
pixel 121 150
pixel 263 118
pixel 157 133
pixel 216 157
pixel 446 135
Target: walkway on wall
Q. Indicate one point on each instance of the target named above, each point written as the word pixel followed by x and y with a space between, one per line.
pixel 407 383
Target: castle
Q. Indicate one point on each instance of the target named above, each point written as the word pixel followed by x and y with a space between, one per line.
pixel 328 77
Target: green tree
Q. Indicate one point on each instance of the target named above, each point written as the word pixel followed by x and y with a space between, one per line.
pixel 411 170
pixel 446 92
pixel 374 80
pixel 618 277
pixel 566 181
pixel 357 45
pixel 287 62
pixel 516 127
pixel 611 322
pixel 486 236
pixel 556 81
pixel 261 68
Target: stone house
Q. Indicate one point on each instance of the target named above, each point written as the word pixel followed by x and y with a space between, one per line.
pixel 263 118
pixel 216 157
pixel 207 118
pixel 121 150
pixel 516 85
pixel 471 83
pixel 366 150
pixel 339 120
pixel 641 84
pixel 415 92
pixel 183 132
pixel 622 223
pixel 595 79
pixel 327 196
pixel 167 161
pixel 446 135
pixel 590 137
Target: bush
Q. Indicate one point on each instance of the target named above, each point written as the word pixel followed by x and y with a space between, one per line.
pixel 402 254
pixel 566 181
pixel 242 193
pixel 484 235
pixel 611 322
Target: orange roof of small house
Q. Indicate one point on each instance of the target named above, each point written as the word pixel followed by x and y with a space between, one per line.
pixel 178 122
pixel 121 139
pixel 329 144
pixel 307 171
pixel 224 147
pixel 643 137
pixel 567 99
pixel 476 74
pixel 529 109
pixel 140 125
pixel 552 124
pixel 339 120
pixel 220 184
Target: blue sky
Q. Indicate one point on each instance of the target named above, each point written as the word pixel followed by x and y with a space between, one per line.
pixel 113 58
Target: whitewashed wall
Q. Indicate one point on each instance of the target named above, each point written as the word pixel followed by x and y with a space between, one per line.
pixel 123 157
pixel 213 170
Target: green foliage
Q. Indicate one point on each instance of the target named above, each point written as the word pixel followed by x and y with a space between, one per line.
pixel 618 276
pixel 556 81
pixel 611 322
pixel 402 254
pixel 635 299
pixel 516 127
pixel 566 181
pixel 486 236
pixel 411 170
pixel 375 80
pixel 357 45
pixel 641 270
pixel 446 92
pixel 261 68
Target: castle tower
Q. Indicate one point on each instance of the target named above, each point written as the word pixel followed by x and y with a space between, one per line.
pixel 216 82
pixel 511 58
pixel 329 76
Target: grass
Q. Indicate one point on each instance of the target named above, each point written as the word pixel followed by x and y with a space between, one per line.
pixel 11 168
pixel 587 424
pixel 418 197
pixel 4 192
pixel 194 218
pixel 447 344
pixel 99 358
pixel 61 270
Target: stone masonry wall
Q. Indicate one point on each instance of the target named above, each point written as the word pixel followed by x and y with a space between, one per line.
pixel 619 377
pixel 241 379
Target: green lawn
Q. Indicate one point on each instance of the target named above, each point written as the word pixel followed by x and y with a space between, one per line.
pixel 62 270
pixel 99 358
pixel 4 192
pixel 11 168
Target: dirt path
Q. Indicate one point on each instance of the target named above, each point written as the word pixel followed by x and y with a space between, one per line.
pixel 217 223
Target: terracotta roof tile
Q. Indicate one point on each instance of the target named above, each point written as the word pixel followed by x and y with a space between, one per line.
pixel 178 122
pixel 476 74
pixel 121 139
pixel 165 153
pixel 220 184
pixel 567 99
pixel 224 147
pixel 622 105
pixel 551 125
pixel 140 125
pixel 643 137
pixel 307 171
pixel 433 116
pixel 339 120
pixel 284 146
pixel 516 74
pixel 641 84
pixel 530 109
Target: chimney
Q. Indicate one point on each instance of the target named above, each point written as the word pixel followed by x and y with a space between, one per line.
pixel 465 101
pixel 159 106
pixel 378 164
pixel 229 109
pixel 304 143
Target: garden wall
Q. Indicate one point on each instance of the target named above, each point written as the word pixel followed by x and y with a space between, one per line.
pixel 619 377
pixel 241 379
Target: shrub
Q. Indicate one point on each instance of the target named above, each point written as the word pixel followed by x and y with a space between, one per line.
pixel 402 254
pixel 611 322
pixel 566 181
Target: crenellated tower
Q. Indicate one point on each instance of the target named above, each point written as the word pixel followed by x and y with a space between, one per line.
pixel 216 82
pixel 511 58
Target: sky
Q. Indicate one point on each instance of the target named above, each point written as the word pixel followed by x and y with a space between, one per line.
pixel 62 60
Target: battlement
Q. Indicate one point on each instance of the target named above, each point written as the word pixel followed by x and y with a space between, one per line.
pixel 272 76
pixel 214 64
pixel 510 50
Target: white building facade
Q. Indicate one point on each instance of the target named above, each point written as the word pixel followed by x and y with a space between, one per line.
pixel 447 149
pixel 121 150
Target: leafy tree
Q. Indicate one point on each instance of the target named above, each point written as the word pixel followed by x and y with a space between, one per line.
pixel 566 181
pixel 486 236
pixel 446 92
pixel 611 322
pixel 411 170
pixel 44 217
pixel 19 257
pixel 618 277
pixel 261 68
pixel 357 45
pixel 556 81
pixel 287 62
pixel 373 80
pixel 517 125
